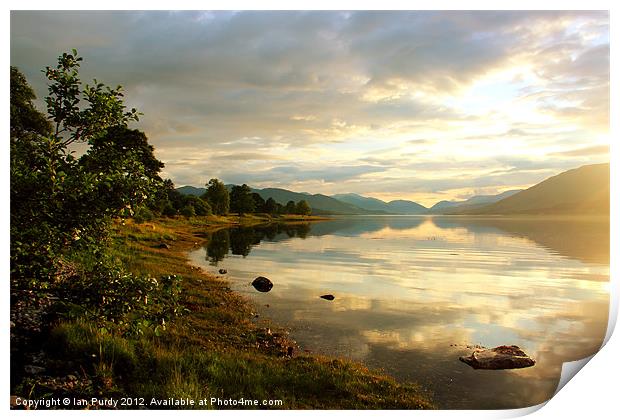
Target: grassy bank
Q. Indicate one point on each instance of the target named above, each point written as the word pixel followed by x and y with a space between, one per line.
pixel 218 349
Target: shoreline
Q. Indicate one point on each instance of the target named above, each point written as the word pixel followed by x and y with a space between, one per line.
pixel 218 349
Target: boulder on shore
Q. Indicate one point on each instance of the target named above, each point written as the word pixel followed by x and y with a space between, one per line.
pixel 262 284
pixel 222 271
pixel 502 357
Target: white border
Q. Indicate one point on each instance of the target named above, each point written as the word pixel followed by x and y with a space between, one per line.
pixel 592 394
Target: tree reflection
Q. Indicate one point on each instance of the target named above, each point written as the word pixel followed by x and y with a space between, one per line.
pixel 240 240
pixel 217 247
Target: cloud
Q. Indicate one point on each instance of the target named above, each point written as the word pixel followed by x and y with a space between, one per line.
pixel 584 151
pixel 280 175
pixel 342 97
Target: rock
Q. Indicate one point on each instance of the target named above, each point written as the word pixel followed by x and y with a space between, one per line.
pixel 262 284
pixel 327 297
pixel 33 370
pixel 502 357
pixel 222 271
pixel 163 246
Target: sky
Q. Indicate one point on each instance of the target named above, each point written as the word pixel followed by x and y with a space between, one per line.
pixel 425 106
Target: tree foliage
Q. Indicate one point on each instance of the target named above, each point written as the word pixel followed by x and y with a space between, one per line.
pixel 82 114
pixel 61 205
pixel 59 202
pixel 217 196
pixel 259 203
pixel 271 206
pixel 290 207
pixel 241 199
pixel 302 207
pixel 25 118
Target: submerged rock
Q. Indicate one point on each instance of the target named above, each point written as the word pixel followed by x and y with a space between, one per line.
pixel 502 357
pixel 262 284
pixel 222 271
pixel 328 297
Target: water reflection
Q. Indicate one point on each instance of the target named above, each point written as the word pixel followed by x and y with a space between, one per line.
pixel 240 240
pixel 412 292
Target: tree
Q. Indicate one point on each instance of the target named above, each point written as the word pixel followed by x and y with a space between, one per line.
pixel 217 196
pixel 80 115
pixel 188 211
pixel 60 203
pixel 241 200
pixel 303 208
pixel 259 203
pixel 126 149
pixel 271 206
pixel 168 210
pixel 32 249
pixel 218 246
pixel 290 207
pixel 201 207
pixel 128 162
pixel 61 206
pixel 25 118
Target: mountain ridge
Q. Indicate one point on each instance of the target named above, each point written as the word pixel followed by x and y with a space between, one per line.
pixel 374 204
pixel 583 190
pixel 471 203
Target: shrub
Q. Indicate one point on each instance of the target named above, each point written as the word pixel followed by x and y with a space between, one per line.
pixel 188 211
pixel 106 293
pixel 143 215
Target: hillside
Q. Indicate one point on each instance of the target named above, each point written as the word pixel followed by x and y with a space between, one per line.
pixel 472 203
pixel 320 204
pixel 584 190
pixel 189 190
pixel 379 206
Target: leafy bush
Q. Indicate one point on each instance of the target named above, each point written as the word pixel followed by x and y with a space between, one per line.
pixel 143 215
pixel 62 206
pixel 188 211
pixel 60 203
pixel 106 293
pixel 201 207
pixel 169 210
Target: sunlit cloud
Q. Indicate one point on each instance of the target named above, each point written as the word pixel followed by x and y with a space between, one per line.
pixel 410 105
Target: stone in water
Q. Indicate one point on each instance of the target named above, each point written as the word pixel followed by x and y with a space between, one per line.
pixel 502 357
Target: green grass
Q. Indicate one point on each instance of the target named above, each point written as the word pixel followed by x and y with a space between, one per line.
pixel 150 367
pixel 217 350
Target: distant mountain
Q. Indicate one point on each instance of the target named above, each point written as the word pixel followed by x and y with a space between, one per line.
pixel 320 203
pixel 584 190
pixel 379 206
pixel 368 203
pixel 477 201
pixel 406 207
pixel 442 205
pixel 189 190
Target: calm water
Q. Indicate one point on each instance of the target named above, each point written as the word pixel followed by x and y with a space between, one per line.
pixel 413 292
